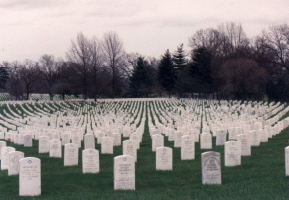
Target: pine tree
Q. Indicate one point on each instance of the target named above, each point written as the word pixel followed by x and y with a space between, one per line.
pixel 166 73
pixel 179 58
pixel 141 80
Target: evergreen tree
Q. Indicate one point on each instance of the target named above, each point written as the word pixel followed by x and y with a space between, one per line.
pixel 141 80
pixel 179 58
pixel 166 73
pixel 3 77
pixel 201 69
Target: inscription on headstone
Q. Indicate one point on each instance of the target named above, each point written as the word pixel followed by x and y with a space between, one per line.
pixel 211 168
pixel 164 158
pixel 124 173
pixel 90 161
pixel 30 177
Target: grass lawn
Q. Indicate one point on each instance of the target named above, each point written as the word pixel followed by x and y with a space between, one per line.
pixel 261 175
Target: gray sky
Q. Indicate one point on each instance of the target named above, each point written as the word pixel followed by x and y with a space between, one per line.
pixel 31 28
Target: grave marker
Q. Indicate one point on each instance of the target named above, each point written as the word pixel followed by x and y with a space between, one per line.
pixel 89 142
pixel 164 158
pixel 43 144
pixel 211 168
pixel 188 147
pixel 14 158
pixel 90 161
pixel 55 149
pixel 206 141
pixel 124 173
pixel 107 145
pixel 70 154
pixel 5 157
pixel 232 153
pixel 129 148
pixel 30 177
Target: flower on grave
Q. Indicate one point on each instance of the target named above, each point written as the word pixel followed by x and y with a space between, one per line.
pixel 9 139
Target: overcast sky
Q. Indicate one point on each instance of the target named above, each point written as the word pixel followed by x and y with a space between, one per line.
pixel 31 28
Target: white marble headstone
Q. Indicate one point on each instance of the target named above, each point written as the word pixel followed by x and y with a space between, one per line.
pixel 14 158
pixel 5 156
pixel 90 161
pixel 188 147
pixel 27 140
pixel 55 148
pixel 206 141
pixel 30 177
pixel 245 145
pixel 129 148
pixel 89 142
pixel 211 168
pixel 124 173
pixel 2 144
pixel 70 154
pixel 157 141
pixel 232 153
pixel 164 158
pixel 107 145
pixel 43 144
pixel 221 137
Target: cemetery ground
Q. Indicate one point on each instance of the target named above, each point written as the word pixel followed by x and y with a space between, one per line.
pixel 260 176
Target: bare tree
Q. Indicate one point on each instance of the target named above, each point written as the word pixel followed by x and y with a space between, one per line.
pixel 277 39
pixel 14 85
pixel 49 70
pixel 244 78
pixel 114 55
pixel 29 75
pixel 79 55
pixel 95 67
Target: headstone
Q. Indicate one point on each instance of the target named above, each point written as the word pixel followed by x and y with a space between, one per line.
pixel 43 144
pixel 70 154
pixel 5 157
pixel 221 137
pixel 129 148
pixel 55 148
pixel 75 138
pixel 107 145
pixel 164 158
pixel 89 142
pixel 254 138
pixel 206 141
pixel 2 135
pixel 135 137
pixel 21 139
pixel 157 141
pixel 30 177
pixel 232 133
pixel 124 173
pixel 90 161
pixel 188 147
pixel 100 135
pixel 27 140
pixel 287 161
pixel 263 133
pixel 2 144
pixel 232 153
pixel 211 168
pixel 178 139
pixel 65 138
pixel 116 139
pixel 14 158
pixel 245 145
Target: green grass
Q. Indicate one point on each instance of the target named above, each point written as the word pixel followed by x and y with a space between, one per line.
pixel 261 175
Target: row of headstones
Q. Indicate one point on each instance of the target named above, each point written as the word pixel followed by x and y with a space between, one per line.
pixel 28 169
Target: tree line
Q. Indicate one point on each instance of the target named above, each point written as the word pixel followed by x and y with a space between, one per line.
pixel 223 62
